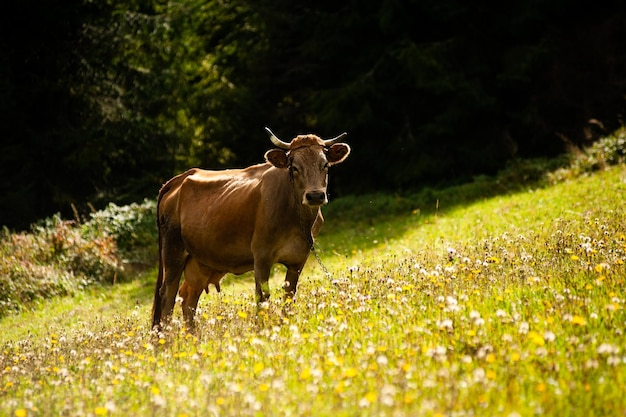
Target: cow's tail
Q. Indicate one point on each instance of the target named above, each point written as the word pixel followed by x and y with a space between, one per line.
pixel 157 306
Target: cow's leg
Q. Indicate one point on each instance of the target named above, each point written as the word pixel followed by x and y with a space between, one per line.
pixel 261 280
pixel 291 280
pixel 174 259
pixel 190 296
pixel 197 279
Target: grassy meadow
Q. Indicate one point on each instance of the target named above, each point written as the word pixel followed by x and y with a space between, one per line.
pixel 488 299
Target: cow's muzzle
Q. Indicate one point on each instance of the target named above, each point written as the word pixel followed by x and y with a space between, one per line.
pixel 315 198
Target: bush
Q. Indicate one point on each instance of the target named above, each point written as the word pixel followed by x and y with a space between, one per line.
pixel 610 150
pixel 59 257
pixel 133 227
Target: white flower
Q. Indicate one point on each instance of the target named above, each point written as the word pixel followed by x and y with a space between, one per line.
pixel 606 349
pixel 523 327
pixel 446 324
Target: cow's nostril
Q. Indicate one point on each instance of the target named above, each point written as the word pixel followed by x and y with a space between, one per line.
pixel 315 197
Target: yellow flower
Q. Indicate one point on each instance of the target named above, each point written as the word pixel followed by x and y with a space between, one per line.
pixel 258 367
pixel 100 411
pixel 242 314
pixel 578 320
pixel 264 387
pixel 350 372
pixel 20 412
pixel 305 374
pixel 536 338
pixel 371 397
pixel 340 387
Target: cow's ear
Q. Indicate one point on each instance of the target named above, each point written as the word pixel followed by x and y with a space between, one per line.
pixel 277 157
pixel 337 153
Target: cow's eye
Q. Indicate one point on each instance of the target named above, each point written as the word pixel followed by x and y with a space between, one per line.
pixel 294 170
pixel 326 165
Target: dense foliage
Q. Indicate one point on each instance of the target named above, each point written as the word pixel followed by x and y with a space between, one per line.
pixel 104 100
pixel 60 257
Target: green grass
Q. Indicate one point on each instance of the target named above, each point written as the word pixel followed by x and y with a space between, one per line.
pixel 494 305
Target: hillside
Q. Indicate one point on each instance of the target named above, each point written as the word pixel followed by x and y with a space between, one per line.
pixel 474 300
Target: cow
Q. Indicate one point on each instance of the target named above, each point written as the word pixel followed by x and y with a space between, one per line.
pixel 212 223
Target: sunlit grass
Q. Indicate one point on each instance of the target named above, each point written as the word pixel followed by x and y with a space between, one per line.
pixel 511 305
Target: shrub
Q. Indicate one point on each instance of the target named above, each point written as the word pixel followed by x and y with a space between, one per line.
pixel 610 150
pixel 59 257
pixel 133 227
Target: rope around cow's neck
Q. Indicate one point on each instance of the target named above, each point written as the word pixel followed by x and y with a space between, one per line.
pixel 307 233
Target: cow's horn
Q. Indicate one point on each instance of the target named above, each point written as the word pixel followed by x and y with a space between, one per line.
pixel 279 143
pixel 329 142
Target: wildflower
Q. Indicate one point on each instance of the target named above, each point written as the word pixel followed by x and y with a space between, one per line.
pixel 578 320
pixel 606 349
pixel 479 374
pixel 446 324
pixel 258 367
pixel 305 374
pixel 476 319
pixel 523 327
pixel 242 314
pixel 100 411
pixel 371 397
pixel 20 412
pixel 548 336
pixel 536 338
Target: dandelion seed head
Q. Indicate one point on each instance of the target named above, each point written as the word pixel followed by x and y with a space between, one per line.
pixel 607 349
pixel 523 327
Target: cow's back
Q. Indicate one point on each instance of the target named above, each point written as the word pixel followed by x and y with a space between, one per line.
pixel 217 212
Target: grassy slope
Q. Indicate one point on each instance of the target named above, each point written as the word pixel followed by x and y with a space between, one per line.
pixel 510 304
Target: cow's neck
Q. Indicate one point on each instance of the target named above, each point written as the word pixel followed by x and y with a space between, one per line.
pixel 306 218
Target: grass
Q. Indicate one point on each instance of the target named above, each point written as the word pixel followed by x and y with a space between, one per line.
pixel 508 305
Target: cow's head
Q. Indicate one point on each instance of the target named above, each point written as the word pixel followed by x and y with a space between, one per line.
pixel 308 158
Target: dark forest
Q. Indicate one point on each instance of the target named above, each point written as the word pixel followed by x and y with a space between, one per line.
pixel 103 101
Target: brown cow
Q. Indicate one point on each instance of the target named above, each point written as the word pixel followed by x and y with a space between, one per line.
pixel 215 222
